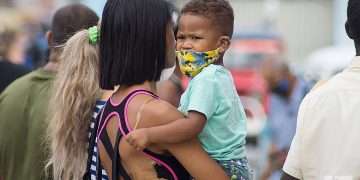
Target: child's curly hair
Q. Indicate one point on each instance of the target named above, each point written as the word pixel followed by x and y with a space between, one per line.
pixel 219 12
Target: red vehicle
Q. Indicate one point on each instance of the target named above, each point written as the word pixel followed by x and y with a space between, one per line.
pixel 244 59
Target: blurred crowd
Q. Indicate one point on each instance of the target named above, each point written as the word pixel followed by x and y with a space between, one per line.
pixel 269 88
pixel 262 77
pixel 24 48
pixel 23 44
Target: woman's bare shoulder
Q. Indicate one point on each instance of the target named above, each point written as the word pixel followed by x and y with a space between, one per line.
pixel 160 112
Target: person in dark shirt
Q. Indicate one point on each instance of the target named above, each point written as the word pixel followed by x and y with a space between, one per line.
pixel 10 72
pixel 13 42
pixel 24 103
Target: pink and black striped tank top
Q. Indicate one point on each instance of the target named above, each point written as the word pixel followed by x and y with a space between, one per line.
pixel 166 166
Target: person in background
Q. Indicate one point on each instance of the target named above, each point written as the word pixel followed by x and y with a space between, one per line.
pixel 326 144
pixel 24 104
pixel 75 102
pixel 37 18
pixel 12 47
pixel 37 49
pixel 287 92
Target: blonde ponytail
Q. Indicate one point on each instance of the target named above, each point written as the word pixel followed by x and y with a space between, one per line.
pixel 75 91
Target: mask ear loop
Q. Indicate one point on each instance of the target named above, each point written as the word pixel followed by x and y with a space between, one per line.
pixel 218 55
pixel 138 114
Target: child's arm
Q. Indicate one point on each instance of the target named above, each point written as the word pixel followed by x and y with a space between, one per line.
pixel 203 103
pixel 174 132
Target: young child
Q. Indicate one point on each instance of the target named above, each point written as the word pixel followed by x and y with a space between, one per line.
pixel 212 106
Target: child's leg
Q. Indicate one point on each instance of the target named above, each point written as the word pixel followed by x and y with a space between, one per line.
pixel 236 169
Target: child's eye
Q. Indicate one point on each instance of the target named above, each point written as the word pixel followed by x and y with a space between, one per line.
pixel 196 38
pixel 180 37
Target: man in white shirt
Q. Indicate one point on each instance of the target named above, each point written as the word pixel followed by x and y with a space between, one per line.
pixel 326 145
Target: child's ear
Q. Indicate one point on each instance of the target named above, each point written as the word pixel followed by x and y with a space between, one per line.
pixel 224 44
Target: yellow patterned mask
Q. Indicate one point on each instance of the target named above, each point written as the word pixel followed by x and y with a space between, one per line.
pixel 192 63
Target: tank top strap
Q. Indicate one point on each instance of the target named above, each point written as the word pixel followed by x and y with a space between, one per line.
pixel 120 109
pixel 166 166
pixel 125 105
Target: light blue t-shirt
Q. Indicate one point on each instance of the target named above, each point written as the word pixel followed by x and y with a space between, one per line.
pixel 212 93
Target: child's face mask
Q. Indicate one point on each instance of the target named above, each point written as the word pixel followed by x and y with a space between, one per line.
pixel 192 63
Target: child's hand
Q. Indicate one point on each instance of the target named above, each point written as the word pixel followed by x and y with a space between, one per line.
pixel 139 139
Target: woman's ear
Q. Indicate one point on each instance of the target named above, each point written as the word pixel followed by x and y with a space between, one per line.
pixel 224 42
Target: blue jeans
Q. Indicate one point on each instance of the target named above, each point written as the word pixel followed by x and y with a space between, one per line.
pixel 236 169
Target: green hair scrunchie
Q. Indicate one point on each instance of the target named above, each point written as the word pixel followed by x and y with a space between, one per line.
pixel 93 35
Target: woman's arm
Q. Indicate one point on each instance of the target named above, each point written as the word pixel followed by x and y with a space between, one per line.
pixel 192 156
pixel 174 132
pixel 168 125
pixel 189 153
